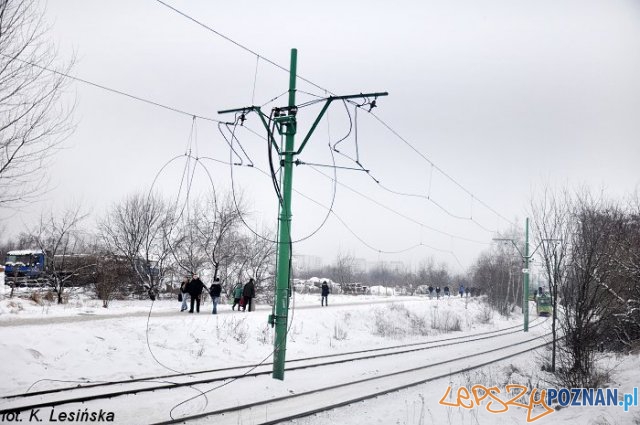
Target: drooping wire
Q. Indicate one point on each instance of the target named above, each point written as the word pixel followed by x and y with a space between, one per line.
pixel 274 178
pixel 230 142
pixel 291 307
pixel 348 132
pixel 399 213
pixel 335 180
pixel 454 181
pixel 428 197
pixel 272 175
pixel 373 248
pixel 331 211
pixel 189 184
pixel 197 161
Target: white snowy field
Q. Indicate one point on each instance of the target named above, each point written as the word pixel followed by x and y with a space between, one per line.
pixel 49 346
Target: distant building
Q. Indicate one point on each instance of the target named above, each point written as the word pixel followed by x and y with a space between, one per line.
pixel 307 262
pixel 359 265
pixel 392 266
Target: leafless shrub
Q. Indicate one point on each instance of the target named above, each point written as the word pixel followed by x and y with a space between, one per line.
pixel 49 296
pixel 449 322
pixel 339 332
pixel 15 307
pixel 236 329
pixel 265 335
pixel 485 316
pixel 36 298
pixel 396 321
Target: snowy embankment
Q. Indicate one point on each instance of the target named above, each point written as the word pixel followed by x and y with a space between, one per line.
pixel 46 345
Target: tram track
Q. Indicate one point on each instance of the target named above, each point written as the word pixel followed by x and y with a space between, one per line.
pixel 289 407
pixel 96 391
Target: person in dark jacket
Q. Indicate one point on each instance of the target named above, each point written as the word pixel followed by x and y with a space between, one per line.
pixel 430 291
pixel 215 290
pixel 446 291
pixel 248 293
pixel 324 300
pixel 437 292
pixel 194 288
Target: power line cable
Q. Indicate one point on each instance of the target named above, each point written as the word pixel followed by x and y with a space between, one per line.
pixel 112 90
pixel 401 214
pixel 255 80
pixel 369 198
pixel 405 141
pixel 331 211
pixel 373 248
pixel 428 197
pixel 229 39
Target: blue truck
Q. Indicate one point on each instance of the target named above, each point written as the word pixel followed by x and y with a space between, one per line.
pixel 26 264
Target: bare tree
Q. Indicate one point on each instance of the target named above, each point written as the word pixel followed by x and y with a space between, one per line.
pixel 112 274
pixel 586 296
pixel 186 250
pixel 32 121
pixel 552 230
pixel 60 238
pixel 344 268
pixel 258 259
pixel 139 229
pixel 111 277
pixel 623 285
pixel 496 271
pixel 217 224
pixel 431 274
pixel 628 264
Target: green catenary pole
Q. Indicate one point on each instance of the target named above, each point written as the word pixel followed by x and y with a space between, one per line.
pixel 285 122
pixel 284 240
pixel 525 304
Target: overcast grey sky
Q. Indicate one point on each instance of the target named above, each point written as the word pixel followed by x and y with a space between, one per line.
pixel 501 95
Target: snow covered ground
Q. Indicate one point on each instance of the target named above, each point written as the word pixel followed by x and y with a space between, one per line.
pixel 48 346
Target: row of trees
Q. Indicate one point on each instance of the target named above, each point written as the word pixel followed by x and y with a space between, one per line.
pixel 144 244
pixel 498 272
pixel 594 276
pixel 589 251
pixel 345 270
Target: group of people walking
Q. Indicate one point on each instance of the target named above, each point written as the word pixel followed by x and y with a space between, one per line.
pixel 191 293
pixel 461 290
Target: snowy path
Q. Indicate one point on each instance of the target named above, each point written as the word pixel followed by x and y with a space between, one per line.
pixel 163 312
